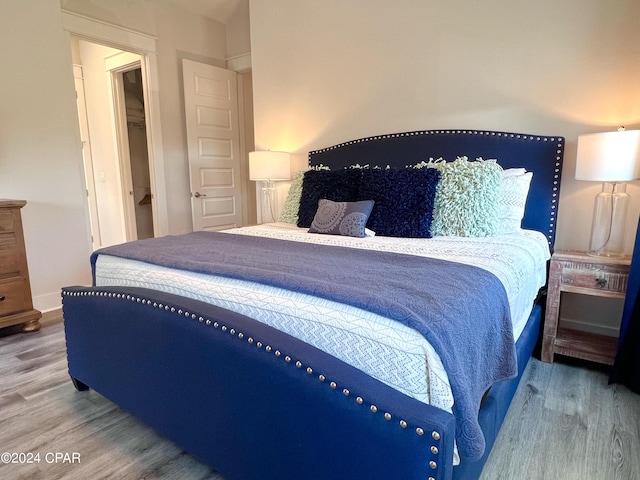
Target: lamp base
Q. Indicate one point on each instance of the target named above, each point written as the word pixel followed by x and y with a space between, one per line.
pixel 268 194
pixel 609 221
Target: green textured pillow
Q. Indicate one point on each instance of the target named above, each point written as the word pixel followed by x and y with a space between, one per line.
pixel 289 213
pixel 467 195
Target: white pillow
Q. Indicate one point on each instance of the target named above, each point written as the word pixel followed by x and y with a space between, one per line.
pixel 512 172
pixel 512 199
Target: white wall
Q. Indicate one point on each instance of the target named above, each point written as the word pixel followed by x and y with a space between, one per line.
pixel 238 32
pixel 325 72
pixel 40 156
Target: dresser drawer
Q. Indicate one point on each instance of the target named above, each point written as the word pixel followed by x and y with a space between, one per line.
pixel 595 279
pixel 12 295
pixel 7 241
pixel 7 222
pixel 10 260
pixel 10 263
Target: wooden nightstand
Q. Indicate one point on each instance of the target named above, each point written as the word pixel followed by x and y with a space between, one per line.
pixel 578 272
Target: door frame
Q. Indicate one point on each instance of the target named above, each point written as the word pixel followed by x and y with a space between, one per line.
pixel 145 46
pixel 116 66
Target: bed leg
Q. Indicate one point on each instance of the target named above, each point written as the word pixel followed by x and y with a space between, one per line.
pixel 81 387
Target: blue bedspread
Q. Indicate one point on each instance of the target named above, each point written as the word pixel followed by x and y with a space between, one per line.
pixel 460 309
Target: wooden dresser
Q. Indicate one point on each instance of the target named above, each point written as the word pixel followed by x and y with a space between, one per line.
pixel 16 304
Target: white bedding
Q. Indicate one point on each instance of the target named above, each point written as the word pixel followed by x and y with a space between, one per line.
pixel 385 349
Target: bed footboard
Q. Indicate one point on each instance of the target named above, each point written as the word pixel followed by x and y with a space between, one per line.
pixel 251 401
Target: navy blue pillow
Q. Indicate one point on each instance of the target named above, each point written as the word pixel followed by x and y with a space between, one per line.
pixel 339 186
pixel 404 200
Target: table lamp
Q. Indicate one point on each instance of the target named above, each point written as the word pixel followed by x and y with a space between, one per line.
pixel 267 167
pixel 612 158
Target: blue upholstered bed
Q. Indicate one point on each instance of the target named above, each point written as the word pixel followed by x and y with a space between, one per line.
pixel 256 403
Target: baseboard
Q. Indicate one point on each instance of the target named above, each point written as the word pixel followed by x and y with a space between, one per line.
pixel 590 327
pixel 47 302
pixel 51 317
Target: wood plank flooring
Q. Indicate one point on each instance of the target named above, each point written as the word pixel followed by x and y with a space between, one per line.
pixel 565 423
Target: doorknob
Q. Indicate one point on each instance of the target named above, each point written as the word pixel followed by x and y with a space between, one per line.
pixel 198 195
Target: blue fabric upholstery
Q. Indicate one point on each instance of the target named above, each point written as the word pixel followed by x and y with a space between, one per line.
pixel 626 367
pixel 248 412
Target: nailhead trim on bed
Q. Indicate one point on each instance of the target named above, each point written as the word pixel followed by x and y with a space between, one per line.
pixel 439 132
pixel 554 201
pixel 250 340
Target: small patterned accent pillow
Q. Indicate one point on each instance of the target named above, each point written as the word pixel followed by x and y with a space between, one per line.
pixel 512 199
pixel 466 203
pixel 338 185
pixel 342 218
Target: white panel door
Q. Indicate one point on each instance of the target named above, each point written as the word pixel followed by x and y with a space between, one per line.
pixel 211 108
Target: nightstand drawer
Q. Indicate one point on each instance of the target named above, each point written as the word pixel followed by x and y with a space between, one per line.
pixel 12 298
pixel 595 279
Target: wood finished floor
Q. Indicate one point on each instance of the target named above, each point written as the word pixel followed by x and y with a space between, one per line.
pixel 565 423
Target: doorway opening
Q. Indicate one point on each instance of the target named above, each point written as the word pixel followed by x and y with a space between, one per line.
pixel 134 155
pixel 138 152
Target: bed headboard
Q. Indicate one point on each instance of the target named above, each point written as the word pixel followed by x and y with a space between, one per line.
pixel 538 154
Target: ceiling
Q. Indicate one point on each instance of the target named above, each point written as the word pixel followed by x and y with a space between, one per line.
pixel 219 10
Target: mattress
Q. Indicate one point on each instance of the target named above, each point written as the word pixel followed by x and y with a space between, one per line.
pixel 387 350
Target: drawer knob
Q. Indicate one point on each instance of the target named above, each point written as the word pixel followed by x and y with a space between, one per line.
pixel 601 282
pixel 2 297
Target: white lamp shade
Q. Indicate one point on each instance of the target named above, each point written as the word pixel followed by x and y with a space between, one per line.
pixel 609 156
pixel 268 165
